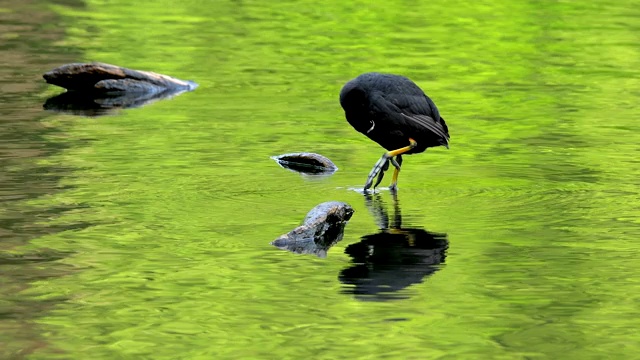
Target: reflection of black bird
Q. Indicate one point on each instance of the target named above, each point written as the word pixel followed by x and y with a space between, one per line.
pixel 392 259
pixel 394 112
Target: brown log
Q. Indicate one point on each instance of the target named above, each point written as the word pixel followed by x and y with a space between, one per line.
pixel 105 78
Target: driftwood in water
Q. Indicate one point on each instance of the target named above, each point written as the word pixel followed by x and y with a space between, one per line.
pixel 306 163
pixel 322 228
pixel 98 89
pixel 105 78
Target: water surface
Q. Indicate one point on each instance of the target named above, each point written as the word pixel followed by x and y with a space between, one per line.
pixel 145 233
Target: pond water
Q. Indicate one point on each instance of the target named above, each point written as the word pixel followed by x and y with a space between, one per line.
pixel 144 233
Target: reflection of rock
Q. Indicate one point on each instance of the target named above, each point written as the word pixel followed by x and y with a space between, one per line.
pixel 392 259
pixel 322 228
pixel 306 163
pixel 98 88
pixel 76 103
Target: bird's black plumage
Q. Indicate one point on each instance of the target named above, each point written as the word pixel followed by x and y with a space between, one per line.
pixel 390 109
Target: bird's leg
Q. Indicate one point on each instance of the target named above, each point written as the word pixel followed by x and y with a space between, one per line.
pixel 378 169
pixel 397 162
pixel 384 161
pixel 384 168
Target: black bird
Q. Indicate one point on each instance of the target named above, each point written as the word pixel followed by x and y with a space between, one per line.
pixel 394 112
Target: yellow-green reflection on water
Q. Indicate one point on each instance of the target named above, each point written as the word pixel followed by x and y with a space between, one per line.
pixel 537 196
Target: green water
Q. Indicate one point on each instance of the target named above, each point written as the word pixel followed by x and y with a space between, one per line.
pixel 145 234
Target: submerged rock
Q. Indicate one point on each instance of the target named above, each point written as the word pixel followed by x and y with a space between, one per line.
pixel 306 163
pixel 322 228
pixel 106 78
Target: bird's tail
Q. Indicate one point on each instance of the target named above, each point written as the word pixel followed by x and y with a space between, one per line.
pixel 445 140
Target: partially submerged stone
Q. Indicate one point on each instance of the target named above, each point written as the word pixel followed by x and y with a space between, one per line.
pixel 322 228
pixel 328 213
pixel 306 163
pixel 106 78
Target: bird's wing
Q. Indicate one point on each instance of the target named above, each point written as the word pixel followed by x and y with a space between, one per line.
pixel 407 96
pixel 415 109
pixel 429 123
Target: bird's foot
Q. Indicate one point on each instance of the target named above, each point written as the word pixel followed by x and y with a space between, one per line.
pixel 378 169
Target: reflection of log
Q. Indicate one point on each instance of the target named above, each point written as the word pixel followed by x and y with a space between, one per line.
pixel 92 104
pixel 306 163
pixel 322 228
pixel 106 78
pixel 33 257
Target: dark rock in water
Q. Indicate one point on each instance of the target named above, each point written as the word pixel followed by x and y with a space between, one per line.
pixel 322 228
pixel 329 212
pixel 105 78
pixel 306 163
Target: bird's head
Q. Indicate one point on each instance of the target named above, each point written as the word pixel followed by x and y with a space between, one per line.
pixel 353 98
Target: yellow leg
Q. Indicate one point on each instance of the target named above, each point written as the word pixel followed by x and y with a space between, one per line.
pixel 384 161
pixel 397 162
pixel 394 179
pixel 412 144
